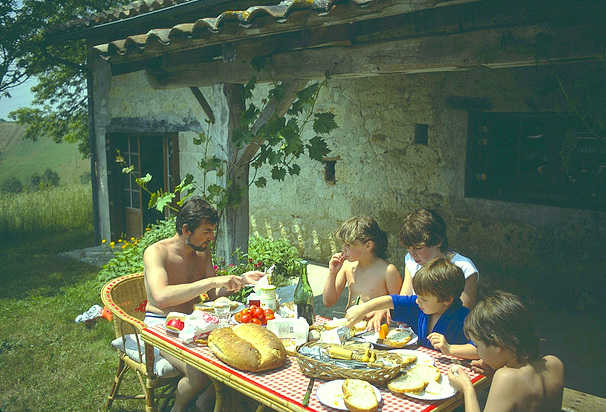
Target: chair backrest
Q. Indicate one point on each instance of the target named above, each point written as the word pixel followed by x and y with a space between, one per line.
pixel 126 298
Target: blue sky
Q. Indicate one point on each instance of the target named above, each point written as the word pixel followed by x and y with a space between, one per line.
pixel 21 97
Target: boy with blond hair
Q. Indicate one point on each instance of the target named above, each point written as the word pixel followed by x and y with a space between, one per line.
pixel 361 265
pixel 522 380
pixel 436 313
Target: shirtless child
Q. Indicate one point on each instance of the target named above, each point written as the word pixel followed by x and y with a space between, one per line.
pixel 362 266
pixel 503 331
pixel 177 271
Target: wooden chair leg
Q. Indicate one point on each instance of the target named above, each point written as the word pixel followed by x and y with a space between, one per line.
pixel 122 368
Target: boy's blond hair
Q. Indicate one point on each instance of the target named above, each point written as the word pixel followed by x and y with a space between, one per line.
pixel 363 229
pixel 424 227
pixel 501 320
pixel 440 278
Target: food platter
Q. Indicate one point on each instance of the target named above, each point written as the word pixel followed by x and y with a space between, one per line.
pixel 372 337
pixel 208 307
pixel 330 394
pixel 445 391
pixel 422 358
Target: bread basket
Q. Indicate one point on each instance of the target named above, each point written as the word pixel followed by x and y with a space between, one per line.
pixel 314 368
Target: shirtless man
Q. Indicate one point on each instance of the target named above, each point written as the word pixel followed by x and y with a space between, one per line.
pixel 177 271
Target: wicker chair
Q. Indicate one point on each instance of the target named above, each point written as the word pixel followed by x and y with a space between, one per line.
pixel 126 298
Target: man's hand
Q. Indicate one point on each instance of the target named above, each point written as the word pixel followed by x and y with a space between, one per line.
pixel 230 282
pixel 439 342
pixel 336 262
pixel 252 277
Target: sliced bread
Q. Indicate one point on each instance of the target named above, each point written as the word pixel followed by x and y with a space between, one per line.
pixel 359 396
pixel 397 338
pixel 415 380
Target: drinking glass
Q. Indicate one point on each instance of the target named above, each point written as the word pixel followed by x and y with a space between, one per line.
pixel 222 311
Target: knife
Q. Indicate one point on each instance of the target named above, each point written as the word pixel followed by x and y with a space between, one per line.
pixel 308 392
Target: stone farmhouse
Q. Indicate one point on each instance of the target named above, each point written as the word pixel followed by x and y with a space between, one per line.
pixel 455 105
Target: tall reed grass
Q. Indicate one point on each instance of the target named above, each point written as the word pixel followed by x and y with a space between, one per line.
pixel 58 208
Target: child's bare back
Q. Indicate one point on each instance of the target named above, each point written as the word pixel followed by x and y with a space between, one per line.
pixel 538 387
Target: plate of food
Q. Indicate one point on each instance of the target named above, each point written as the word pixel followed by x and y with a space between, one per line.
pixel 422 358
pixel 331 394
pixel 209 306
pixel 424 382
pixel 395 338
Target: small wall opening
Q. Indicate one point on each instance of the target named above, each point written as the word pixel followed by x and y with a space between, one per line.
pixel 329 170
pixel 421 134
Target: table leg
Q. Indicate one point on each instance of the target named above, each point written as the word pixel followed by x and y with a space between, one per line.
pixel 220 390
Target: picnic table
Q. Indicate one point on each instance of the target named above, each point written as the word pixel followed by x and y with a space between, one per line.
pixel 283 389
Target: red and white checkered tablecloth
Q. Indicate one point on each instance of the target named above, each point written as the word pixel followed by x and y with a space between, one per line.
pixel 290 384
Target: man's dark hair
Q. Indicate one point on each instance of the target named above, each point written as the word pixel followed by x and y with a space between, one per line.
pixel 195 212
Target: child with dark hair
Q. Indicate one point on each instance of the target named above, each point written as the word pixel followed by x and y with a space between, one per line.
pixel 436 314
pixel 503 331
pixel 423 234
pixel 361 265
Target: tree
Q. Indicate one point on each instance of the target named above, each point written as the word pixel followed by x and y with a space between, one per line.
pixel 60 97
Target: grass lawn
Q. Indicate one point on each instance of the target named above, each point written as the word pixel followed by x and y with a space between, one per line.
pixel 47 361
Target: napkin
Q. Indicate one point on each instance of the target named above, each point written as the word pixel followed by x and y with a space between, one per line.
pixel 198 325
pixel 264 281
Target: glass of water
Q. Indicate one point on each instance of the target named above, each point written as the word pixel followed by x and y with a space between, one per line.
pixel 222 311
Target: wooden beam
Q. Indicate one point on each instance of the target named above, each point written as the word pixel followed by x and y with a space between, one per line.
pixel 492 48
pixel 204 104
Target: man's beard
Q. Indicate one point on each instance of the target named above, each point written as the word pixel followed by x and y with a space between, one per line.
pixel 200 248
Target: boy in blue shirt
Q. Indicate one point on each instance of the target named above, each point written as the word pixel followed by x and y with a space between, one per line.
pixel 436 313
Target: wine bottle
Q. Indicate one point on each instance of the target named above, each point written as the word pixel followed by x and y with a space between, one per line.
pixel 304 296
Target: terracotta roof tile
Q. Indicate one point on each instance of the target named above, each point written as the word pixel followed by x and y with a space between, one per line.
pixel 287 14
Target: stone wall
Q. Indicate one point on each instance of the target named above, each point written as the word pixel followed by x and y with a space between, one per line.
pixel 381 172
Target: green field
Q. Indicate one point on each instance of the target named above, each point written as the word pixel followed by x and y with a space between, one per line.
pixel 21 158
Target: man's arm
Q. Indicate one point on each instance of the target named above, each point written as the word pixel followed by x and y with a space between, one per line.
pixel 164 295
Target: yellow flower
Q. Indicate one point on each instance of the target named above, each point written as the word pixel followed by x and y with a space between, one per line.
pixel 103 242
pixel 112 244
pixel 119 240
pixel 123 246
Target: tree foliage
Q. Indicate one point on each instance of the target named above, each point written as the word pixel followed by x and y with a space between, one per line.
pixel 60 107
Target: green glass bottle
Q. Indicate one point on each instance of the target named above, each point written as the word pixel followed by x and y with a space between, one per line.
pixel 304 296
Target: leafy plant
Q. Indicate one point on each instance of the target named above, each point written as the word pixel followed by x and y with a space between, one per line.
pixel 277 252
pixel 129 254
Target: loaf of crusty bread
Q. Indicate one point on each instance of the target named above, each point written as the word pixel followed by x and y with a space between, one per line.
pixel 415 380
pixel 248 347
pixel 359 396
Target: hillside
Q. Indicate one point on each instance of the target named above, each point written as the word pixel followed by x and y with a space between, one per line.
pixel 21 158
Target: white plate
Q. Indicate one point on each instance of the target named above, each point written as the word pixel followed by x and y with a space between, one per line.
pixel 446 391
pixel 331 394
pixel 372 338
pixel 209 305
pixel 422 358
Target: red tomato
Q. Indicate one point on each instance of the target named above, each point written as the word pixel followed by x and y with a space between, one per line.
pixel 245 318
pixel 257 321
pixel 253 308
pixel 176 323
pixel 259 313
pixel 269 312
pixel 269 316
pixel 237 316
